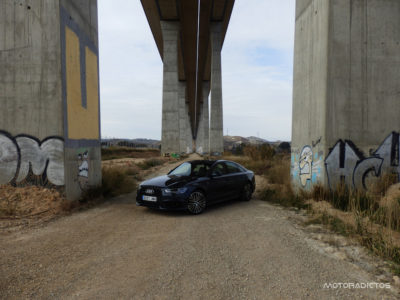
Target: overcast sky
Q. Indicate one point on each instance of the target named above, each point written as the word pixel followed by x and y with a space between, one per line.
pixel 257 67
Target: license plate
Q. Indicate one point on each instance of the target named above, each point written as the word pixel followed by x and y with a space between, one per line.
pixel 149 198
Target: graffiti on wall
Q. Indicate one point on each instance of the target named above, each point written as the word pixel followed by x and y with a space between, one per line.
pixel 307 166
pixel 346 164
pixel 23 154
pixel 83 170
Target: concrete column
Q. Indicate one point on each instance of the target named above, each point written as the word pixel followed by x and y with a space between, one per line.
pixel 185 134
pixel 203 138
pixel 170 141
pixel 49 121
pixel 216 117
pixel 345 94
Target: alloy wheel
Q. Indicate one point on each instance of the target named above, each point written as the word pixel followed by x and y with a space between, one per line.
pixel 196 202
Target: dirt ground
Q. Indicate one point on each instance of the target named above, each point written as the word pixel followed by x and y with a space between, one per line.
pixel 235 250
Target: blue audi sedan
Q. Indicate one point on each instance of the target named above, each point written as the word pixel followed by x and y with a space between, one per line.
pixel 194 185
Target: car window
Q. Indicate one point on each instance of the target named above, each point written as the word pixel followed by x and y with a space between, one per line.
pixel 183 170
pixel 232 167
pixel 200 169
pixel 219 169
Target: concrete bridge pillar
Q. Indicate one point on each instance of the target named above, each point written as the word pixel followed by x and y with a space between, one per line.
pixel 49 95
pixel 203 138
pixel 346 92
pixel 170 137
pixel 216 117
pixel 176 134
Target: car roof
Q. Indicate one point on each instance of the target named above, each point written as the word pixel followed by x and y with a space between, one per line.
pixel 208 162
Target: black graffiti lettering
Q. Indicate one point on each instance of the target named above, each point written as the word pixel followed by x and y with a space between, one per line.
pixel 346 161
pixel 23 153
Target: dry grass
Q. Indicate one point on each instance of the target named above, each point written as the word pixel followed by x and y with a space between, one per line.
pixel 379 239
pixel 275 168
pixel 372 217
pixel 117 182
pixel 126 152
pixel 28 201
pixel 149 163
pixel 257 153
pixel 17 202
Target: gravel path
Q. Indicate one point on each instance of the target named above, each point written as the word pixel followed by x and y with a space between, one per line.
pixel 234 250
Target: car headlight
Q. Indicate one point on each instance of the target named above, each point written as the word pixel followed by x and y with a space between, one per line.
pixel 182 190
pixel 174 191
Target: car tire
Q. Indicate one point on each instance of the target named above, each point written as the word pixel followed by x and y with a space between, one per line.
pixel 196 202
pixel 246 192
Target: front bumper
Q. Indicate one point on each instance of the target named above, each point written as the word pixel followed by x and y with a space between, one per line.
pixel 170 202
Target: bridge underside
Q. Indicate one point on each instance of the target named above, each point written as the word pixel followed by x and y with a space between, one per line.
pixel 189 36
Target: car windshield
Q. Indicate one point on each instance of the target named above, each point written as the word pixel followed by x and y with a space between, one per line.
pixel 183 170
pixel 191 169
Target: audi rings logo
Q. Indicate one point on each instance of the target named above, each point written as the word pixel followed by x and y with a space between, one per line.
pixel 149 191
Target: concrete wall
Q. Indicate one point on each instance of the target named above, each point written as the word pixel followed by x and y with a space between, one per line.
pixel 81 99
pixel 355 127
pixel 49 120
pixel 30 90
pixel 309 91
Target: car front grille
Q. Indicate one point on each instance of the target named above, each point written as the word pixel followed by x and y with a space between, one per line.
pixel 145 190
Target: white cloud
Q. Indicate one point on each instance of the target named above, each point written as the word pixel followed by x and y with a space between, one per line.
pixel 257 70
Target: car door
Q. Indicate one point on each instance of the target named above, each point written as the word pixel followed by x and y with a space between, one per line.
pixel 217 190
pixel 235 180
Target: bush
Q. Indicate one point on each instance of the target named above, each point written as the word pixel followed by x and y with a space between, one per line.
pixel 284 147
pixel 262 152
pixel 279 172
pixel 116 182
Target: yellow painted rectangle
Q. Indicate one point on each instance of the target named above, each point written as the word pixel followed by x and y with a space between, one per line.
pixel 83 123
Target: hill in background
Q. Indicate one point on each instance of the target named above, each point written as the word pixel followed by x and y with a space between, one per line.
pixel 230 142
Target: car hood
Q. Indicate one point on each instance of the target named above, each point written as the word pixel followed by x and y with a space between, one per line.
pixel 171 181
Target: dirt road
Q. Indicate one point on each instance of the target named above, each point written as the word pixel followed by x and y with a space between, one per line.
pixel 235 250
